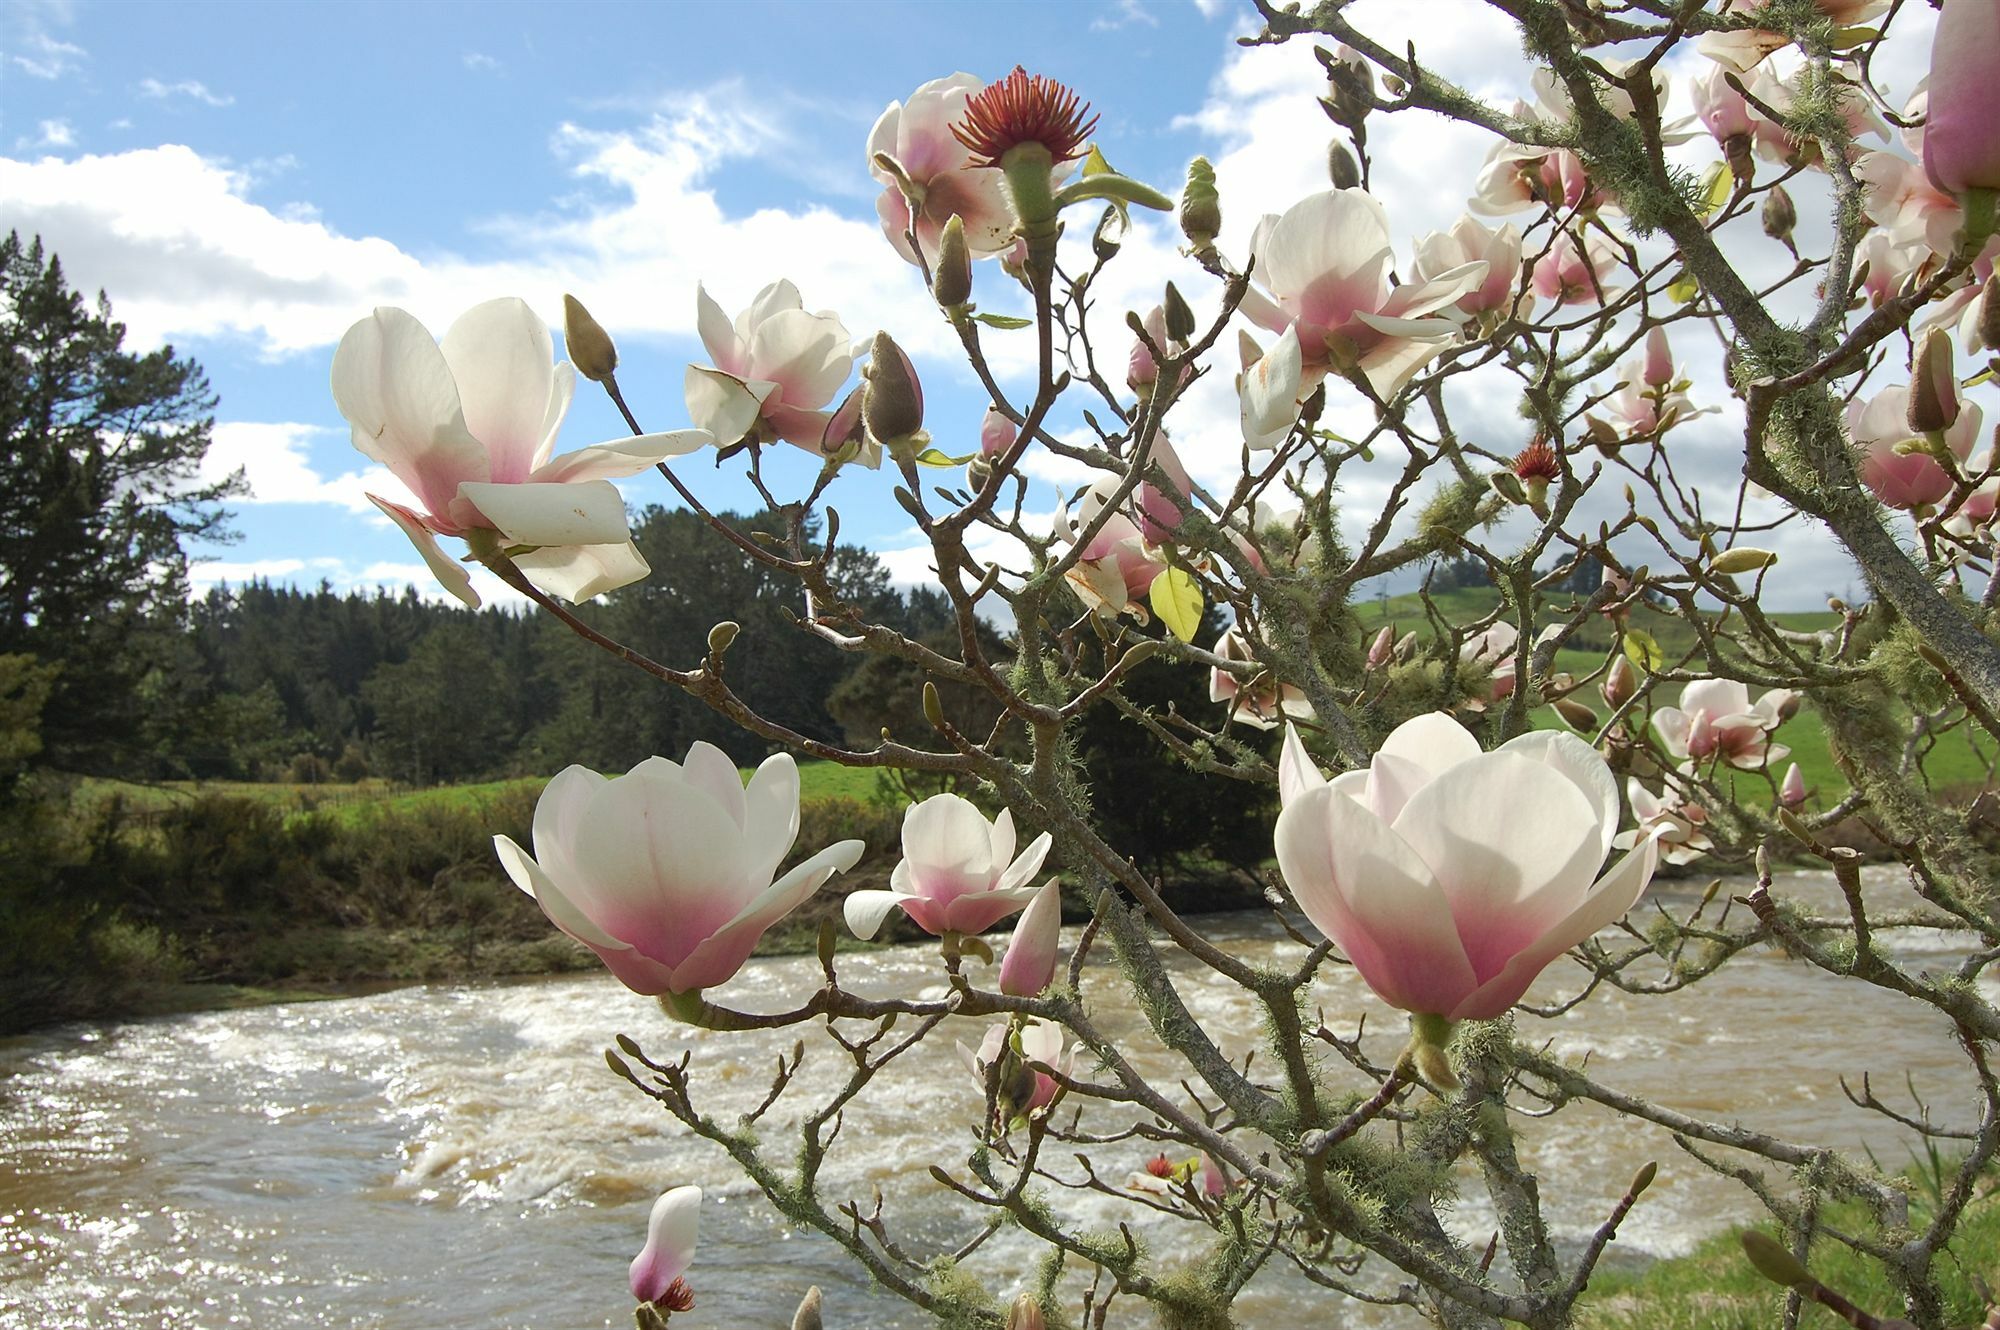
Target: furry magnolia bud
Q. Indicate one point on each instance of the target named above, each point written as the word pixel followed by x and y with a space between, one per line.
pixel 590 348
pixel 952 284
pixel 1933 385
pixel 808 1317
pixel 1201 205
pixel 1026 1314
pixel 1179 316
pixel 1341 167
pixel 1779 214
pixel 893 402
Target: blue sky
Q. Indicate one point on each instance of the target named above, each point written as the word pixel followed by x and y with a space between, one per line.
pixel 246 181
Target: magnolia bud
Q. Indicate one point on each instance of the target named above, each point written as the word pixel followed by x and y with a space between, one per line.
pixel 808 1317
pixel 1180 318
pixel 1351 95
pixel 1989 314
pixel 952 284
pixel 1774 1262
pixel 590 348
pixel 1793 792
pixel 1619 684
pixel 933 705
pixel 843 427
pixel 1741 559
pixel 1643 1179
pixel 893 402
pixel 1381 647
pixel 1933 385
pixel 1576 715
pixel 1780 215
pixel 996 433
pixel 1340 166
pixel 1406 647
pixel 1201 205
pixel 1025 1314
pixel 722 635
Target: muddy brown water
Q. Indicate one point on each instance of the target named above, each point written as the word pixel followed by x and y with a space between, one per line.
pixel 459 1156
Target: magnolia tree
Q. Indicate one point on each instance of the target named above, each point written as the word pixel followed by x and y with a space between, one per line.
pixel 1431 837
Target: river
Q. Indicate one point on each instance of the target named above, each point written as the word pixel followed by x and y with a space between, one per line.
pixel 460 1156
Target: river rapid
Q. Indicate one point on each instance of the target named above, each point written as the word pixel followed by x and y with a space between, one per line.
pixel 460 1156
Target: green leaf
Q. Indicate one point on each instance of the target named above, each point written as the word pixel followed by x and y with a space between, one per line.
pixel 935 457
pixel 1684 288
pixel 1983 376
pixel 1094 163
pixel 1003 321
pixel 1643 651
pixel 1113 188
pixel 1177 599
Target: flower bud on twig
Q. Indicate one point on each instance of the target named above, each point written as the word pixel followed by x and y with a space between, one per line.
pixel 590 348
pixel 952 284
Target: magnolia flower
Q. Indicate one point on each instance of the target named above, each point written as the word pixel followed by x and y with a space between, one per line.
pixel 1029 966
pixel 1468 241
pixel 1268 389
pixel 1573 275
pixel 1517 176
pixel 1743 49
pixel 1962 137
pixel 996 433
pixel 1717 719
pixel 1325 265
pixel 1493 651
pixel 775 369
pixel 1451 877
pixel 1898 197
pixel 1260 703
pixel 958 874
pixel 665 872
pixel 469 425
pixel 1652 397
pixel 1907 480
pixel 1676 824
pixel 1116 567
pixel 669 1250
pixel 1022 1090
pixel 1141 370
pixel 939 170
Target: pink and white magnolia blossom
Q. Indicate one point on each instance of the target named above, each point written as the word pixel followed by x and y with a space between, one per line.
pixel 1518 176
pixel 958 873
pixel 1908 480
pixel 1492 651
pixel 469 425
pixel 1260 704
pixel 776 368
pixel 671 1230
pixel 1116 567
pixel 1675 823
pixel 666 872
pixel 996 433
pixel 1449 876
pixel 1324 271
pixel 917 135
pixel 1267 390
pixel 1899 198
pixel 1962 136
pixel 1023 1091
pixel 1468 241
pixel 1716 719
pixel 1743 49
pixel 1728 114
pixel 1029 966
pixel 1569 274
pixel 1652 397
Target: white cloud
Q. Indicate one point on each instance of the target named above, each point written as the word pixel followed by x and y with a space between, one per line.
pixel 480 62
pixel 1123 14
pixel 273 457
pixel 342 576
pixel 192 89
pixel 52 134
pixel 31 44
pixel 1210 8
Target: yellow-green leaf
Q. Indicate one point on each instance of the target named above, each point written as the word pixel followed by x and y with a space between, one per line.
pixel 1177 599
pixel 1643 651
pixel 1716 188
pixel 1003 321
pixel 937 457
pixel 1094 163
pixel 1684 288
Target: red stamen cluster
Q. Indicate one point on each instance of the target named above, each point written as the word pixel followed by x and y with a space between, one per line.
pixel 1537 461
pixel 678 1297
pixel 1160 1166
pixel 1024 108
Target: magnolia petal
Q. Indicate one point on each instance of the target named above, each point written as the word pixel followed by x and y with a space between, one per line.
pixel 1365 889
pixel 588 512
pixel 976 911
pixel 663 862
pixel 503 359
pixel 392 384
pixel 808 355
pixel 577 573
pixel 1340 231
pixel 947 834
pixel 1296 771
pixel 1029 966
pixel 1433 741
pixel 558 813
pixel 1507 874
pixel 865 910
pixel 449 572
pixel 711 771
pixel 771 814
pixel 1270 393
pixel 1390 366
pixel 1582 764
pixel 718 336
pixel 622 457
pixel 718 957
pixel 559 402
pixel 562 912
pixel 1614 894
pixel 670 1242
pixel 721 403
pixel 770 302
pixel 1026 865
